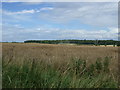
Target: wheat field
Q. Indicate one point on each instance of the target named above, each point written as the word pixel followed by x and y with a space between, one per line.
pixel 57 56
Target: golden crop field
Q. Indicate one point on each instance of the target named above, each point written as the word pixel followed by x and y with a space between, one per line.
pixel 58 56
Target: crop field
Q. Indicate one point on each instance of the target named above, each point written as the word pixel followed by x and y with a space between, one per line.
pixel 31 65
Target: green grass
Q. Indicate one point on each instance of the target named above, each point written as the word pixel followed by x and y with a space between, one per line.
pixel 76 75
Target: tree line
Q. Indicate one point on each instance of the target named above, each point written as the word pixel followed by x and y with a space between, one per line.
pixel 79 42
pixel 85 42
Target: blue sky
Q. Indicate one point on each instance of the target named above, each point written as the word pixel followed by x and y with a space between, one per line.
pixel 61 20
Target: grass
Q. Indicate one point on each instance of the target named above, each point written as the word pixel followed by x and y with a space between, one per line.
pixel 76 75
pixel 25 67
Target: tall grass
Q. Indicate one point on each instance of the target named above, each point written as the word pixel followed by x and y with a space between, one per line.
pixel 76 74
pixel 52 66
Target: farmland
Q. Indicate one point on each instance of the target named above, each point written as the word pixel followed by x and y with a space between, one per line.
pixel 33 65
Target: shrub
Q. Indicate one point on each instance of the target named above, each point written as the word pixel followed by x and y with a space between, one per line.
pixel 106 64
pixel 98 65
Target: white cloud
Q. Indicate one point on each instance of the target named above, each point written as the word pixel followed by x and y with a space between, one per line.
pixel 94 34
pixel 22 0
pixel 23 15
pixel 19 12
pixel 18 16
pixel 32 11
pixel 96 14
pixel 26 11
pixel 31 3
pixel 60 0
pixel 19 33
pixel 46 8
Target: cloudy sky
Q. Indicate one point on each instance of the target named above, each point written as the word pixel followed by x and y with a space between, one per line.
pixel 61 20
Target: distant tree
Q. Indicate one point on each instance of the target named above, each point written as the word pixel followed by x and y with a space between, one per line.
pixel 105 44
pixel 113 44
pixel 118 43
pixel 96 42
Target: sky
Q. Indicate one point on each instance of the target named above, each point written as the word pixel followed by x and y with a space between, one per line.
pixel 59 20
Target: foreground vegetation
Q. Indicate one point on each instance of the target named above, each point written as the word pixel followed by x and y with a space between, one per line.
pixel 58 66
pixel 76 75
